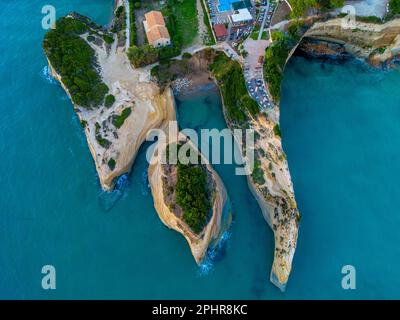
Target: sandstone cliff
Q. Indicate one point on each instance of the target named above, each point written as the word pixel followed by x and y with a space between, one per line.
pixel 376 43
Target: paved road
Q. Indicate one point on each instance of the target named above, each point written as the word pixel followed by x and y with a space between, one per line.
pixel 128 25
pixel 264 20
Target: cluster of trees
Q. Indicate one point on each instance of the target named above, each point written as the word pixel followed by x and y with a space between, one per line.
pixel 133 4
pixel 300 6
pixel 209 40
pixel 119 24
pixel 73 59
pixel 275 59
pixel 118 121
pixel 193 196
pixel 231 81
pixel 394 7
pixel 142 56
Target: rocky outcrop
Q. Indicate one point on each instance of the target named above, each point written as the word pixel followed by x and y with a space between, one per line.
pixel 377 43
pixel 219 220
pixel 272 186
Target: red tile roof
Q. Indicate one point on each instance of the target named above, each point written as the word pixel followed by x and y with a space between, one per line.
pixel 220 30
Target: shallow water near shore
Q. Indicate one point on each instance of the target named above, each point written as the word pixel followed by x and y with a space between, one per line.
pixel 341 134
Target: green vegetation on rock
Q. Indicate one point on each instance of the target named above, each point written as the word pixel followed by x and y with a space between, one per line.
pixel 258 173
pixel 275 60
pixel 277 130
pixel 111 164
pixel 193 196
pixel 394 7
pixel 74 60
pixel 231 81
pixel 109 101
pixel 83 123
pixel 99 138
pixel 301 6
pixel 118 121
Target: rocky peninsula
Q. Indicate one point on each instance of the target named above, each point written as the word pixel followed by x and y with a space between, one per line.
pixel 164 180
pixel 114 129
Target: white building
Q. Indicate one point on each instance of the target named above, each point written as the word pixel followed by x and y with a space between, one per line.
pixel 241 16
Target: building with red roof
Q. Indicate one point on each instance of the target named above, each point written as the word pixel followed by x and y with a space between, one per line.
pixel 220 32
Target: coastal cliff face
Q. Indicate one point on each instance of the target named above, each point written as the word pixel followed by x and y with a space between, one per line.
pixel 172 218
pixel 274 193
pixel 377 43
pixel 114 144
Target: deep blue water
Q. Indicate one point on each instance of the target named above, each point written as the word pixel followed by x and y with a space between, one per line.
pixel 340 134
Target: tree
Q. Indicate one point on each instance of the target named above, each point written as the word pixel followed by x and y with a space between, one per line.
pixel 394 6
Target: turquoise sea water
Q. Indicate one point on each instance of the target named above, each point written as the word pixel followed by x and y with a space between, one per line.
pixel 340 132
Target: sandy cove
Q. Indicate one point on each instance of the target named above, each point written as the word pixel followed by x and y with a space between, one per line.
pixel 131 88
pixel 219 222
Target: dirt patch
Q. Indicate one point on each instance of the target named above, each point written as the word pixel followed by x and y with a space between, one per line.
pixel 282 13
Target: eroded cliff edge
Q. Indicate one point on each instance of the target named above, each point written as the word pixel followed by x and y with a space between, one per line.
pixel 163 182
pixel 376 43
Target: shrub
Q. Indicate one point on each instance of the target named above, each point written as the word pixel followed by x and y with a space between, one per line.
pixel 83 123
pixel 109 101
pixel 258 173
pixel 111 164
pixel 186 55
pixel 108 39
pixel 103 141
pixel 118 121
pixel 277 130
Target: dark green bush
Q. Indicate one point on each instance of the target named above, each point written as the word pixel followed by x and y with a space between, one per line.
pixel 73 59
pixel 118 121
pixel 109 101
pixel 111 164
